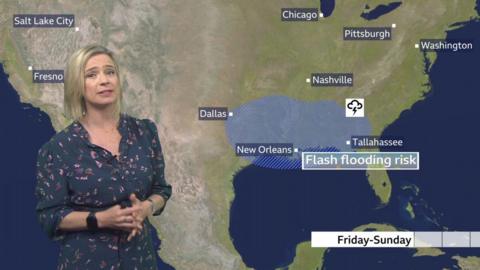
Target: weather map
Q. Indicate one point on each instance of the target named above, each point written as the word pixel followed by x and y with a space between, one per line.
pixel 297 134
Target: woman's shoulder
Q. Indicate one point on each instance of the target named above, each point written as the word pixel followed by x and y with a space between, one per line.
pixel 146 129
pixel 55 147
pixel 62 139
pixel 142 125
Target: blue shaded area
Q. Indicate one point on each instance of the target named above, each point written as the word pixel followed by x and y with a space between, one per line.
pixel 23 245
pixel 380 10
pixel 280 119
pixel 327 7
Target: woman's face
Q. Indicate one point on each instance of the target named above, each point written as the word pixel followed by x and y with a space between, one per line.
pixel 101 82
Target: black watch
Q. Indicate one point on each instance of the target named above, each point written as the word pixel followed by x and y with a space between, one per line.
pixel 92 223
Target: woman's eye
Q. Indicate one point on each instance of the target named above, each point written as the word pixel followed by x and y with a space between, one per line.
pixel 90 75
pixel 110 72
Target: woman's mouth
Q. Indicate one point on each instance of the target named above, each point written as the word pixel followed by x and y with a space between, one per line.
pixel 105 92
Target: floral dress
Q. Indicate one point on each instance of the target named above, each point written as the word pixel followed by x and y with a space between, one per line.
pixel 76 175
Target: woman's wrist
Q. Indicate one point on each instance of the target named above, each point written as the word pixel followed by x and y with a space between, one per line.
pixel 149 206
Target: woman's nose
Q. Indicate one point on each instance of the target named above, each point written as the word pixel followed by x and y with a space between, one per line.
pixel 103 78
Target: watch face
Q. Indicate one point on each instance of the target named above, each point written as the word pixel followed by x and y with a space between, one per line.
pixel 91 216
pixel 92 221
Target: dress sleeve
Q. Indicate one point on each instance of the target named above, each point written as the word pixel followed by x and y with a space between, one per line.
pixel 159 184
pixel 51 192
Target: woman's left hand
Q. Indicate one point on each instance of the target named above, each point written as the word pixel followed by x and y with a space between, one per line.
pixel 140 215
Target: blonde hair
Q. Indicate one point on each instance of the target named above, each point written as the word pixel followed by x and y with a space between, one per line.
pixel 74 83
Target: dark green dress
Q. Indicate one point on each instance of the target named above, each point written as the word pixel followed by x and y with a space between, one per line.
pixel 76 175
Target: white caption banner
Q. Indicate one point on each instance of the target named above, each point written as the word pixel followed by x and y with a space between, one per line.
pixel 363 239
pixel 395 239
pixel 360 161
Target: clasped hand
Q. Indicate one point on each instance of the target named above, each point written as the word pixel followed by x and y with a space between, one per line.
pixel 128 219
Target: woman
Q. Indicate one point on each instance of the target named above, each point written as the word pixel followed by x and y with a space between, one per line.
pixel 101 177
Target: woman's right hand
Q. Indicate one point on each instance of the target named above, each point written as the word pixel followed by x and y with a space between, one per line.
pixel 117 218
